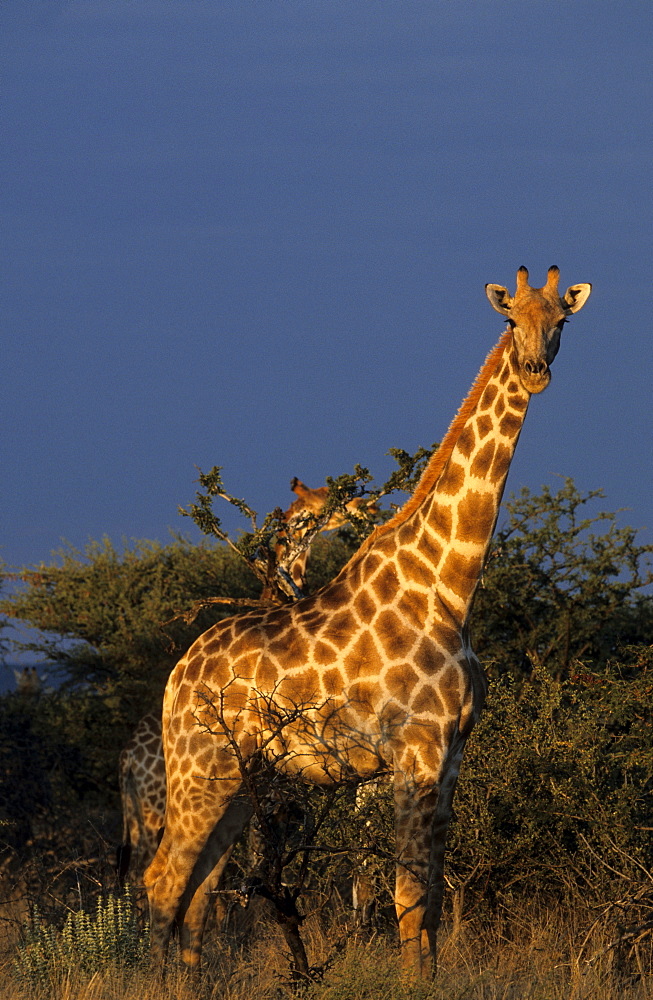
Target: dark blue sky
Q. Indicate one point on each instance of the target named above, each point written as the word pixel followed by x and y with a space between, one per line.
pixel 256 235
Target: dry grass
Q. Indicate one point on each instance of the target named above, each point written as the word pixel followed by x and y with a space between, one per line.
pixel 533 954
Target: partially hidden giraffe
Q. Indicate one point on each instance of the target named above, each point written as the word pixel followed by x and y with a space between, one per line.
pixel 142 780
pixel 373 673
pixel 141 768
pixel 301 517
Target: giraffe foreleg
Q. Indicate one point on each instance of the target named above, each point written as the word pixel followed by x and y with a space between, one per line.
pixel 414 810
pixel 422 815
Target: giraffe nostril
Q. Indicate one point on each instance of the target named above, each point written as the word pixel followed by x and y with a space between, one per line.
pixel 535 367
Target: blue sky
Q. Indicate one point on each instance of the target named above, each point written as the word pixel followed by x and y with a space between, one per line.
pixel 257 235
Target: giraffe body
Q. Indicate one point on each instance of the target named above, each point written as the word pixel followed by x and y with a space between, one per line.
pixel 142 776
pixel 374 673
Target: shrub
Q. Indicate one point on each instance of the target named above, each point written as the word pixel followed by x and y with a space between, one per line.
pixel 87 943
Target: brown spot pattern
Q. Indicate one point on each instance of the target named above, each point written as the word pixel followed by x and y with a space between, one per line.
pixel 484 425
pixel 386 584
pixel 292 649
pixel 393 635
pixel 467 440
pixel 440 519
pixel 301 689
pixel 323 654
pixel 430 548
pixel 448 638
pixel 488 396
pixel 193 668
pixel 475 517
pixel 510 425
pixel 426 701
pixel 400 681
pixel 362 694
pixel 340 627
pixel 483 460
pixel 312 620
pixel 363 658
pixel 414 569
pixel 386 546
pixel 518 402
pixel 406 533
pixel 449 688
pixel 364 606
pixel 267 674
pixel 460 573
pixel 413 606
pixel 335 596
pixel 429 658
pixel 452 479
pixel 501 463
pixel 333 681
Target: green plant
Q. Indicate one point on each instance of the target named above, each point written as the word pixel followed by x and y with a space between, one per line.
pixel 86 942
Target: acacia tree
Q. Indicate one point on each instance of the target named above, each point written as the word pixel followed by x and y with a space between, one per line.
pixel 561 584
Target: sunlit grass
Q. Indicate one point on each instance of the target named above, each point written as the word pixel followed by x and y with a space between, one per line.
pixel 532 954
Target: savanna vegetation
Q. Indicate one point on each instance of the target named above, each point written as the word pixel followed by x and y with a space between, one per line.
pixel 550 866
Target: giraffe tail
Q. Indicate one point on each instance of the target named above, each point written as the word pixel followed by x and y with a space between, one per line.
pixel 124 849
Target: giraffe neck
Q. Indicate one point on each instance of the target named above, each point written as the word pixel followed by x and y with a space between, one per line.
pixel 441 536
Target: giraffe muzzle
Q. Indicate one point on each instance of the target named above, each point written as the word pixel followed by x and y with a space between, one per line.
pixel 535 375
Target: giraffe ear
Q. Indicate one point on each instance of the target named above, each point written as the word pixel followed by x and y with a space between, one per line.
pixel 500 298
pixel 575 297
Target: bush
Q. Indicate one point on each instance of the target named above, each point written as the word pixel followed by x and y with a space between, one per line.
pixel 86 943
pixel 556 791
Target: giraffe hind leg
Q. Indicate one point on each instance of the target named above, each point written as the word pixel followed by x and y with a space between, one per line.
pixel 185 870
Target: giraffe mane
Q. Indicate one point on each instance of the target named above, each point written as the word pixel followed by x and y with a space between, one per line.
pixel 440 458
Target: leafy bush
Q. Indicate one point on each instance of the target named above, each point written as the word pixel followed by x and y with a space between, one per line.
pixel 561 584
pixel 86 943
pixel 556 790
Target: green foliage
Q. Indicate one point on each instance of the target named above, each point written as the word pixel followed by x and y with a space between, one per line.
pixel 410 470
pixel 100 612
pixel 560 586
pixel 556 792
pixel 87 943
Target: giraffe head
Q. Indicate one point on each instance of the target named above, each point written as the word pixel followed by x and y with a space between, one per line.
pixel 536 316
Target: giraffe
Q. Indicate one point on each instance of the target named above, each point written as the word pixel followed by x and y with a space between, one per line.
pixel 142 779
pixel 301 517
pixel 373 673
pixel 141 767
